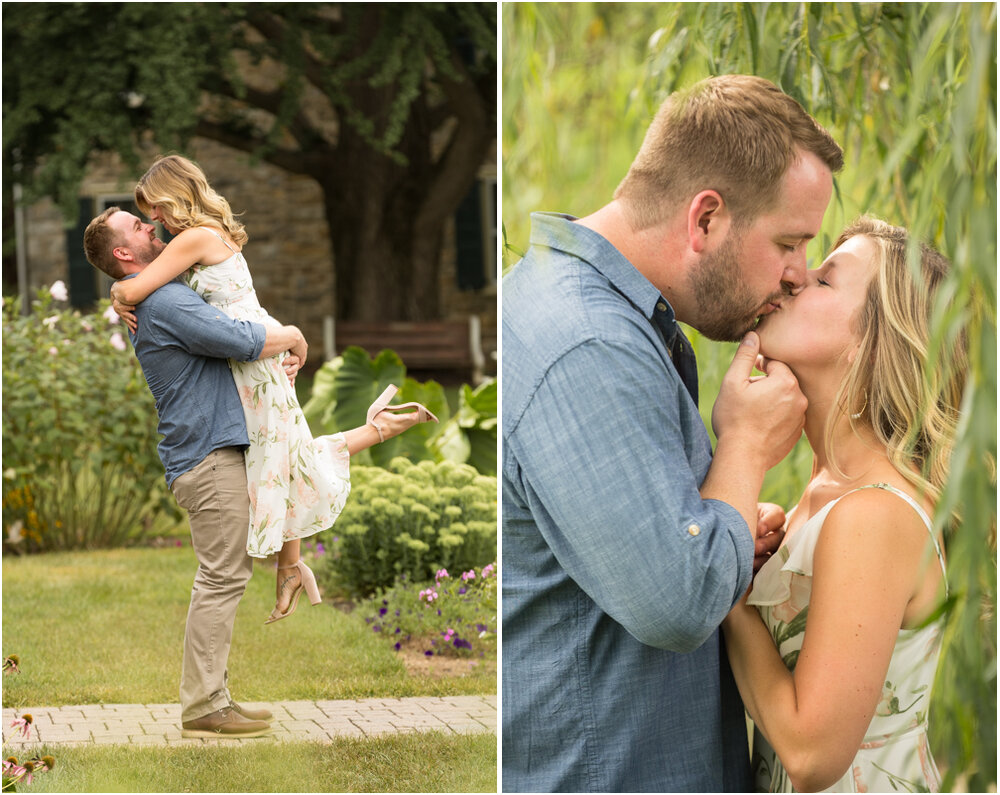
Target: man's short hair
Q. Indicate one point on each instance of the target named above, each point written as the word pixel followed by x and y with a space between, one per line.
pixel 735 134
pixel 99 240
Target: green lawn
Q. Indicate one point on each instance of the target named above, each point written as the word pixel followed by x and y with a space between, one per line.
pixel 423 762
pixel 107 626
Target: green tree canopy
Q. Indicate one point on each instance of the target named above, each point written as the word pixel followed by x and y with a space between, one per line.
pixel 390 108
pixel 909 90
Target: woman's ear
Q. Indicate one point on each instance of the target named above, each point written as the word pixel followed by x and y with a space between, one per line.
pixel 707 215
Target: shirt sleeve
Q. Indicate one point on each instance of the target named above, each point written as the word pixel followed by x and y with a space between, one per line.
pixel 177 315
pixel 604 465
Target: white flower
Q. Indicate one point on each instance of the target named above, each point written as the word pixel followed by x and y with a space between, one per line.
pixel 110 315
pixel 15 532
pixel 86 326
pixel 51 321
pixel 58 291
pixel 117 342
pixel 10 473
pixel 53 350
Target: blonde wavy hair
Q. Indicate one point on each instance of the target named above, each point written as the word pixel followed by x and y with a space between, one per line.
pixel 911 403
pixel 180 189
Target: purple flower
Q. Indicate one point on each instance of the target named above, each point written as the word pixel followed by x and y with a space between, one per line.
pixel 320 549
pixel 461 644
pixel 398 645
pixel 383 610
pixel 481 627
pixel 428 653
pixel 461 591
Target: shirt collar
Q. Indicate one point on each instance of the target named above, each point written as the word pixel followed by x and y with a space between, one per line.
pixel 558 231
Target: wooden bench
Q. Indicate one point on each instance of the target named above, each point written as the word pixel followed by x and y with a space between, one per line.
pixel 448 349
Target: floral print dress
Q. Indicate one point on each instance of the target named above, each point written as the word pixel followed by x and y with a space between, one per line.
pixel 894 755
pixel 298 485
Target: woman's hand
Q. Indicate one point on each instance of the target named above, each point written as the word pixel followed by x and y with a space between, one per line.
pixel 770 531
pixel 125 311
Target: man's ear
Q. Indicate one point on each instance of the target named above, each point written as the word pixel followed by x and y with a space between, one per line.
pixel 122 253
pixel 707 215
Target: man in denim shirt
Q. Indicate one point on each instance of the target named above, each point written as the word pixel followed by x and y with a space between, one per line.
pixel 625 541
pixel 183 345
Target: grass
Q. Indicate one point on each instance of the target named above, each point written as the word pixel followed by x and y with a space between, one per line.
pixel 107 627
pixel 424 762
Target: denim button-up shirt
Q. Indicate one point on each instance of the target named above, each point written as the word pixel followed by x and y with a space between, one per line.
pixel 183 345
pixel 616 573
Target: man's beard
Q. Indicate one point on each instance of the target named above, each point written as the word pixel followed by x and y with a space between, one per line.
pixel 147 253
pixel 727 309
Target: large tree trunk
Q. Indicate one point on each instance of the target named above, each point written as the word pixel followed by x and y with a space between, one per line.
pixel 387 220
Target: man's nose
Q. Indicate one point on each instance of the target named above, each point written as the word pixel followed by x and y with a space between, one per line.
pixel 794 277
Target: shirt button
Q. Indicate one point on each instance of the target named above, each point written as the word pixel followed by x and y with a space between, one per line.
pixel 693 529
pixel 661 307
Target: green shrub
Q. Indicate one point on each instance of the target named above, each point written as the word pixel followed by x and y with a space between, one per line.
pixel 344 387
pixel 454 615
pixel 410 519
pixel 80 467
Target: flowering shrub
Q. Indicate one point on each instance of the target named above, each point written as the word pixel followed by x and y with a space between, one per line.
pixel 457 616
pixel 80 467
pixel 410 519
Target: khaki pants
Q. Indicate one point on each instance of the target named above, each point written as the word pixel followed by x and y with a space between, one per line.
pixel 214 494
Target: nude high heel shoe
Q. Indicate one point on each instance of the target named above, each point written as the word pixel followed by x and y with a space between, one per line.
pixel 307 583
pixel 382 404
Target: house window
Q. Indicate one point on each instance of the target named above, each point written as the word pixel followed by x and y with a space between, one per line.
pixel 476 236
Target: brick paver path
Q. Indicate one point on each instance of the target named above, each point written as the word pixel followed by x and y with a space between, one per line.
pixel 159 724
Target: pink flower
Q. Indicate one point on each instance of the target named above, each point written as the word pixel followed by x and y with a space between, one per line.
pixel 53 350
pixel 117 342
pixel 469 575
pixel 51 321
pixel 488 570
pixel 442 574
pixel 110 315
pixel 429 594
pixel 58 291
pixel 22 725
pixel 86 326
pixel 449 634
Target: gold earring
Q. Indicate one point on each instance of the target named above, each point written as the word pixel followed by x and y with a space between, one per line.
pixel 858 415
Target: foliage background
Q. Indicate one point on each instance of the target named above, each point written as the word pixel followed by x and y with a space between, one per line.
pixel 909 90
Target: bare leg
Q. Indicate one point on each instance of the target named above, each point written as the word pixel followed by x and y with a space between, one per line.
pixel 288 576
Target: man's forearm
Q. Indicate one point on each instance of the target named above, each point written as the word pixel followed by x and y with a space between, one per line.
pixel 279 339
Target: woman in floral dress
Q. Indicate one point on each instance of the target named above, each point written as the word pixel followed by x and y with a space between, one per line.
pixel 298 485
pixel 835 648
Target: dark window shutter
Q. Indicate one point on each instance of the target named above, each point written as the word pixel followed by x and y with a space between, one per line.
pixel 82 275
pixel 469 242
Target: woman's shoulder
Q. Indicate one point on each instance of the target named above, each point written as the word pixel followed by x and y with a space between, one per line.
pixel 884 517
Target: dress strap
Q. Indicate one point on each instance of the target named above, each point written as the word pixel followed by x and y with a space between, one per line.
pixel 224 241
pixel 923 515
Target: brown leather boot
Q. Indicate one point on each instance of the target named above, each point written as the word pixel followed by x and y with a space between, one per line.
pixel 225 723
pixel 252 714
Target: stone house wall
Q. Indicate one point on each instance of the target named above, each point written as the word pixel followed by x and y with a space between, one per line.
pixel 289 251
